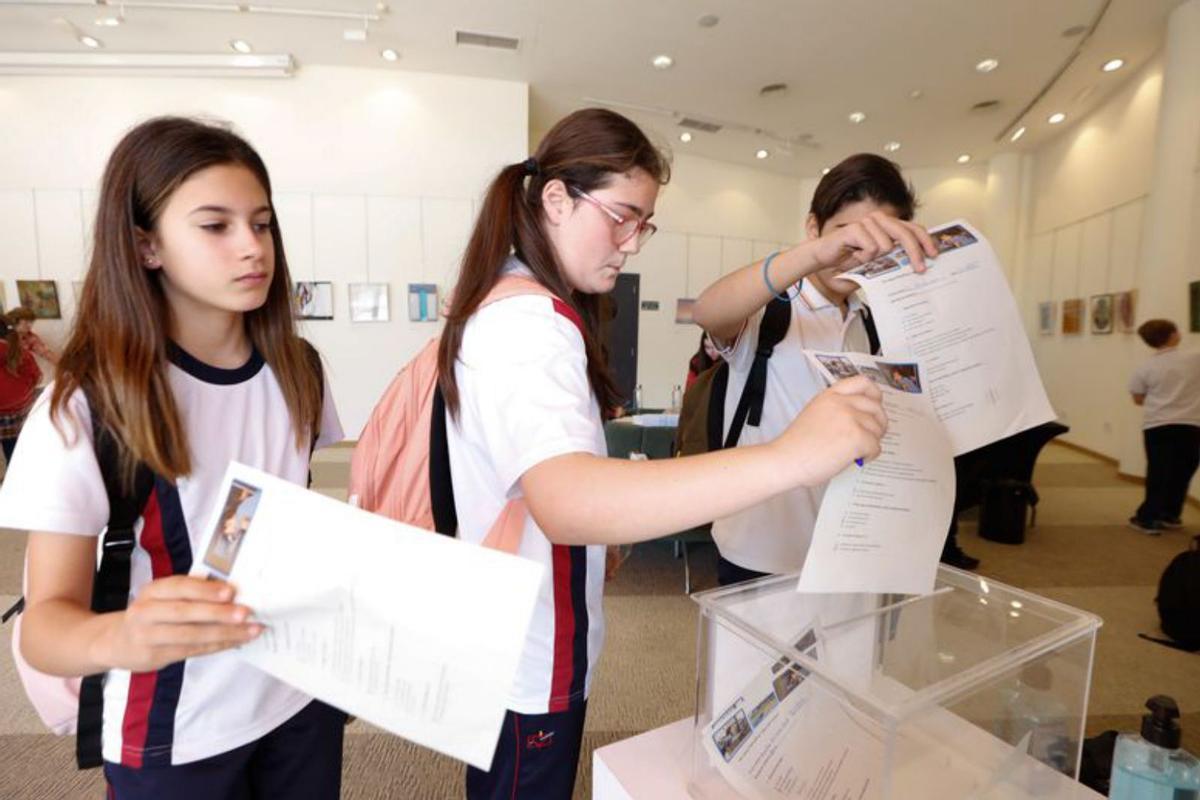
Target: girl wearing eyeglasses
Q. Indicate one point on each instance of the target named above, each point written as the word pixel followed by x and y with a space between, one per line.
pixel 526 384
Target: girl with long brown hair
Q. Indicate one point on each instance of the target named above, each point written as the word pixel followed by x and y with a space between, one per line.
pixel 184 352
pixel 525 384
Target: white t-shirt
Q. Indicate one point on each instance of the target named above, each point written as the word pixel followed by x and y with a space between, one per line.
pixel 203 706
pixel 525 397
pixel 774 535
pixel 1170 380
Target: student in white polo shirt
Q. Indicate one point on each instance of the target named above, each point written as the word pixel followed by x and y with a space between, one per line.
pixel 822 312
pixel 1167 386
pixel 527 390
pixel 183 352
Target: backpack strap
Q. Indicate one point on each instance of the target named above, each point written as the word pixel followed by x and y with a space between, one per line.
pixel 314 362
pixel 776 318
pixel 441 486
pixel 868 322
pixel 110 586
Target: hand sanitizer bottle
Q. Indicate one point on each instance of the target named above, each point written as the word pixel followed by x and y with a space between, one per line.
pixel 1151 766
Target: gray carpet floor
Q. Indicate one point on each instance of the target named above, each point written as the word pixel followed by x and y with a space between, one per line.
pixel 1080 553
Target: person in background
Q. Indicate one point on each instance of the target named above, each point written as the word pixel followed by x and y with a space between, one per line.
pixel 22 319
pixel 19 376
pixel 1167 386
pixel 705 357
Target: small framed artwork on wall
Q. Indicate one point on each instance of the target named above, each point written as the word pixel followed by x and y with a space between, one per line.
pixel 1047 317
pixel 1102 313
pixel 314 299
pixel 1072 316
pixel 40 297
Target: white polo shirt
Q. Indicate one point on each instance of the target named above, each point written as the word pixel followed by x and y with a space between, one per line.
pixel 525 398
pixel 204 706
pixel 1170 380
pixel 774 535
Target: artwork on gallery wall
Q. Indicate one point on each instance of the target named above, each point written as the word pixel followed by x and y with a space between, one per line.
pixel 1072 315
pixel 369 302
pixel 1194 306
pixel 423 302
pixel 40 297
pixel 683 311
pixel 1046 317
pixel 313 299
pixel 1102 313
pixel 1125 311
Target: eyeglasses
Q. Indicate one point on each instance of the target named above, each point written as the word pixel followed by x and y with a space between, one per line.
pixel 624 228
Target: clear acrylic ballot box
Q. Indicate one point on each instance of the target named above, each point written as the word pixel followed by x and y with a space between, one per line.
pixel 976 690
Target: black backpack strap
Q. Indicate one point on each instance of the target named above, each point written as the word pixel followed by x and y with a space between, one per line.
pixel 110 586
pixel 715 422
pixel 441 487
pixel 776 318
pixel 872 334
pixel 314 361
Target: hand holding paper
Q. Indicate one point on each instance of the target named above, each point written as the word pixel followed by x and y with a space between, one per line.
pixel 415 632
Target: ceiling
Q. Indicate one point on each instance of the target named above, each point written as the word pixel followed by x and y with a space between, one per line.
pixel 835 56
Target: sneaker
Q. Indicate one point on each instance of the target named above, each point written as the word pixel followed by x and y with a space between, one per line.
pixel 1154 528
pixel 957 558
pixel 1172 524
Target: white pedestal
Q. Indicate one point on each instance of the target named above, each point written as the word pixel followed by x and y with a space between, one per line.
pixel 650 766
pixel 654 766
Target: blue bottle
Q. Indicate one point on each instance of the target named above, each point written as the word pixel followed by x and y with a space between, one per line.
pixel 1151 766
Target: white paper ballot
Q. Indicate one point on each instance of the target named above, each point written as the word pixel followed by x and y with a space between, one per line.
pixel 881 526
pixel 783 738
pixel 417 633
pixel 959 320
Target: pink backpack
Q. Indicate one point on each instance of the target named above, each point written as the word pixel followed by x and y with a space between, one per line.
pixel 401 468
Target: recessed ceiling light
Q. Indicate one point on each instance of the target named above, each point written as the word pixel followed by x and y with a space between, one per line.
pixel 388 54
pixel 987 65
pixel 857 117
pixel 964 158
pixel 382 7
pixel 90 41
pixel 892 147
pixel 355 34
pixel 111 21
pixel 663 62
pixel 708 21
pixel 1017 134
pixel 1056 118
pixel 915 94
pixel 825 171
pixel 240 46
pixel 761 154
pixel 685 137
pixel 1114 65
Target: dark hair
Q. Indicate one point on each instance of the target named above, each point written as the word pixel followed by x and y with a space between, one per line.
pixel 865 176
pixel 701 360
pixel 1156 332
pixel 118 343
pixel 584 150
pixel 11 338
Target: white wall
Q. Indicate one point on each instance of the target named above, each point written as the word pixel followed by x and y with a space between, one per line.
pixel 1086 237
pixel 713 217
pixel 376 176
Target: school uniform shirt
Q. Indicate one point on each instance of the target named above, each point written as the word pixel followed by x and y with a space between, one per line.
pixel 773 536
pixel 525 398
pixel 1170 380
pixel 204 706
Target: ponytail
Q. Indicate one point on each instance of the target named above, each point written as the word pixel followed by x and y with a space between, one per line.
pixel 584 150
